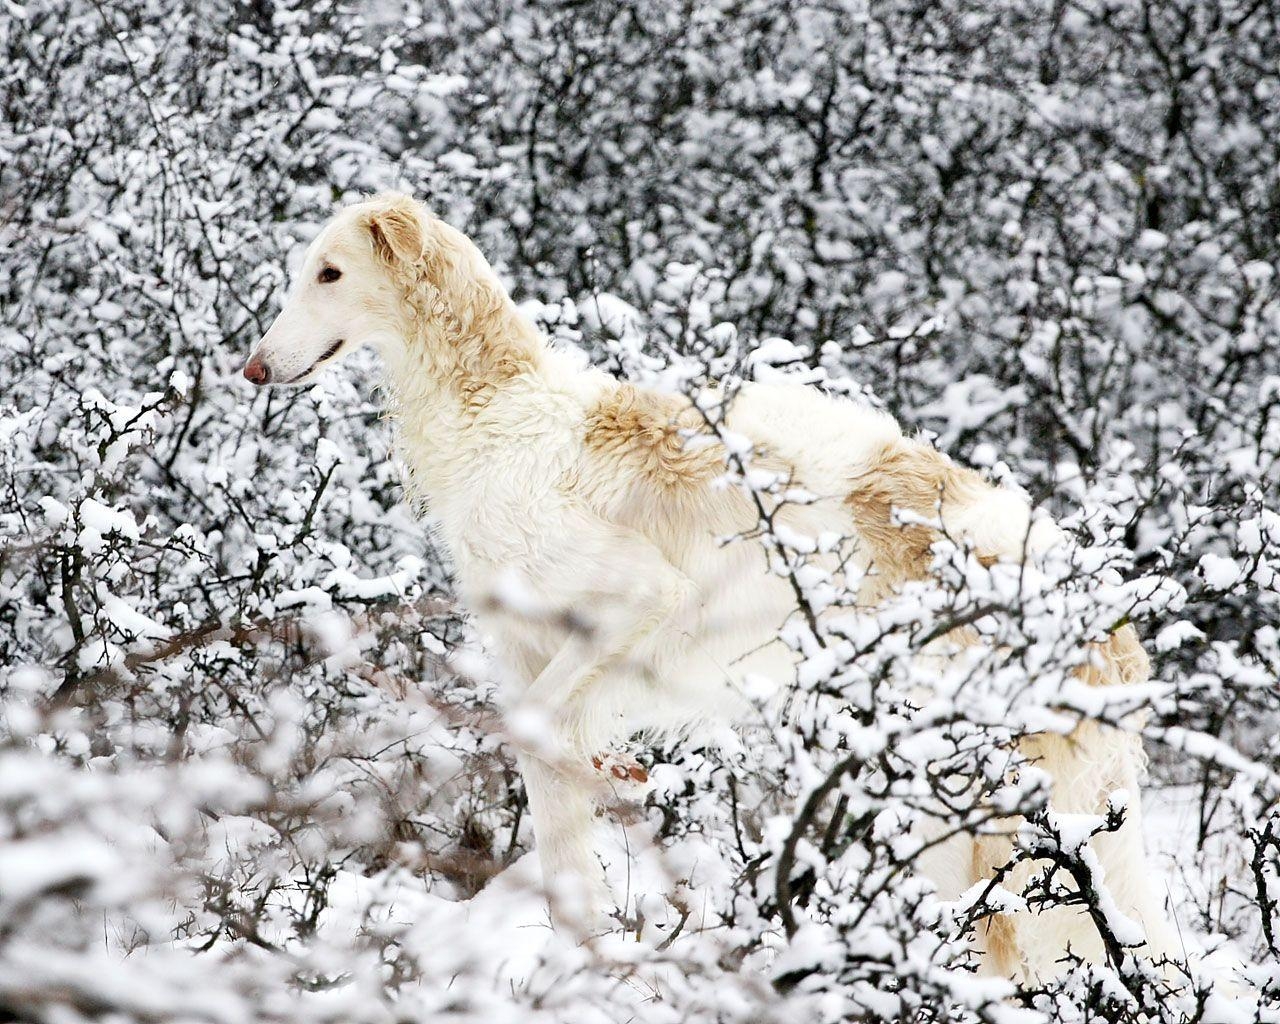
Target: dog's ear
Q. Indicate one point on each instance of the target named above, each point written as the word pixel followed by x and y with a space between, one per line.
pixel 399 236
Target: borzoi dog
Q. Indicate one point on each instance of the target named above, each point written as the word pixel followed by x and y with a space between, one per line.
pixel 586 536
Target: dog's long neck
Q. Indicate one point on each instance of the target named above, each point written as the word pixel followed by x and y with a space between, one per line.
pixel 465 345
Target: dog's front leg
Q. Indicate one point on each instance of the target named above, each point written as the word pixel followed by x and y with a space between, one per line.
pixel 562 810
pixel 633 603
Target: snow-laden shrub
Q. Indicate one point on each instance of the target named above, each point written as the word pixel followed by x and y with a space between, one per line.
pixel 252 764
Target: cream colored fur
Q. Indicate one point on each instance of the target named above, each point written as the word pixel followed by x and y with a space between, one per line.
pixel 586 537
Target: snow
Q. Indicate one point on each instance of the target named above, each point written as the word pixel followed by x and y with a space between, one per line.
pixel 257 762
pixel 1220 572
pixel 29 867
pixel 98 520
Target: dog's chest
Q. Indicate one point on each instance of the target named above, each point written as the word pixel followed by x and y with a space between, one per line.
pixel 497 515
pixel 493 524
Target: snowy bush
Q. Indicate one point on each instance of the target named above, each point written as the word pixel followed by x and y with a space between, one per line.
pixel 252 760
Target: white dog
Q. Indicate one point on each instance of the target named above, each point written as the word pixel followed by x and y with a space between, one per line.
pixel 633 615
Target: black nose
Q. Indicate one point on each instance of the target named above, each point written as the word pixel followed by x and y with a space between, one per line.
pixel 257 372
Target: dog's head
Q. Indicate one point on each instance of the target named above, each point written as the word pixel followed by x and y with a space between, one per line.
pixel 347 293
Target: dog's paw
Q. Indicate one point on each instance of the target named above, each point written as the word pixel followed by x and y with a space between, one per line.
pixel 626 777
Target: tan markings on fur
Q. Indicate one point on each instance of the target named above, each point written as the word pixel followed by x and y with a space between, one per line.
pixel 480 344
pixel 462 316
pixel 920 480
pixel 1000 939
pixel 397 232
pixel 917 478
pixel 998 934
pixel 1122 660
pixel 914 477
pixel 649 432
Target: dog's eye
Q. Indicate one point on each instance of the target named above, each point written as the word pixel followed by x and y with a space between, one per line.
pixel 328 275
